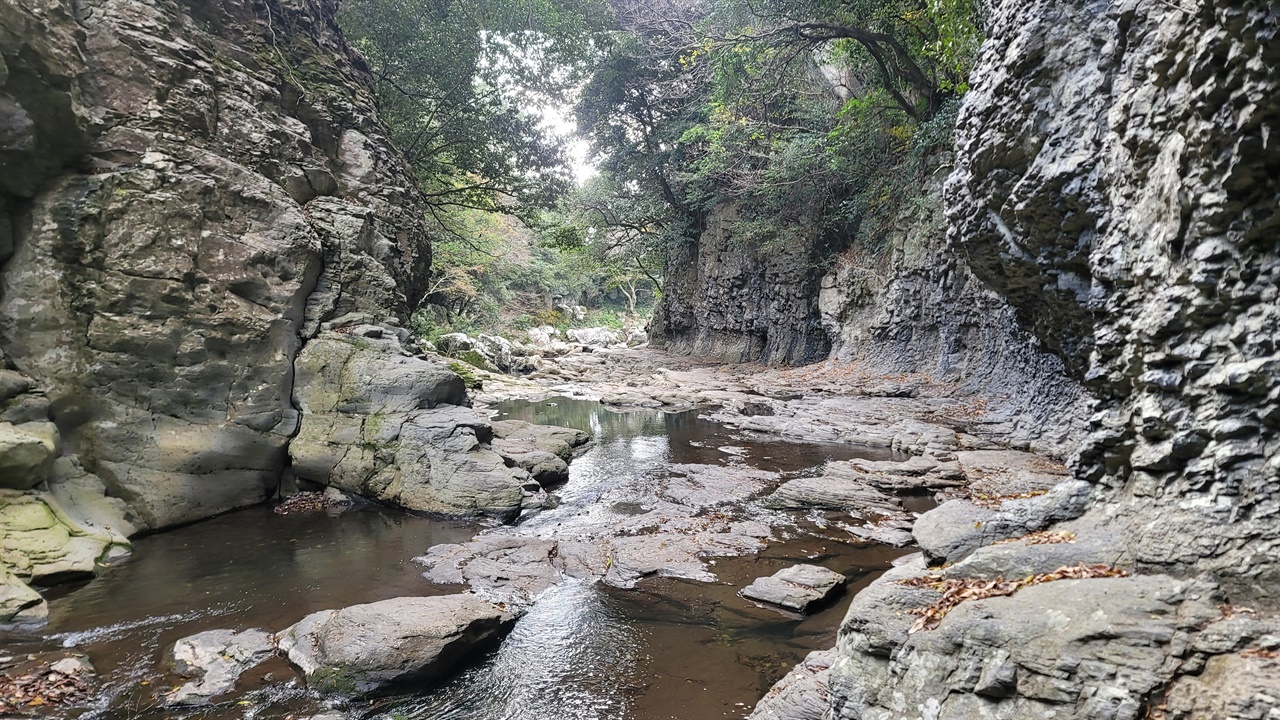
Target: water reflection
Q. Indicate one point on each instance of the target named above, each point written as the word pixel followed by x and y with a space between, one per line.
pixel 573 656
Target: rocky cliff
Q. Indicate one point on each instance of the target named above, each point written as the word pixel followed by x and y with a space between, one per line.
pixel 189 192
pixel 917 309
pixel 1117 182
pixel 725 301
pixel 914 309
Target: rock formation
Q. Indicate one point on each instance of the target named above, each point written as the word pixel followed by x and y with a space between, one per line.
pixel 220 187
pixel 189 193
pixel 1118 181
pixel 726 302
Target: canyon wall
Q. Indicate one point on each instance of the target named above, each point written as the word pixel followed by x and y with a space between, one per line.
pixel 913 308
pixel 191 193
pixel 725 301
pixel 1117 181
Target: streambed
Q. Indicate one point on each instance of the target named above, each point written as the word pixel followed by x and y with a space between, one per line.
pixel 670 648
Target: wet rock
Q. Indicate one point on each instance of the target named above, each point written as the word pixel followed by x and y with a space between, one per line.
pixel 798 588
pixel 840 487
pixel 802 694
pixel 26 454
pixel 609 541
pixel 18 601
pixel 366 648
pixel 74 665
pixel 559 441
pixel 217 659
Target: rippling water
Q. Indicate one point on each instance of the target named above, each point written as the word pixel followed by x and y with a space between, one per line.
pixel 670 649
pixel 573 656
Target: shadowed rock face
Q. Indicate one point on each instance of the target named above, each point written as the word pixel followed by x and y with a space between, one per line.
pixel 1118 182
pixel 724 301
pixel 189 190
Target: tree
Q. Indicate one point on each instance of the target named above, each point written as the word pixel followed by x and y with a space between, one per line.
pixel 461 85
pixel 798 112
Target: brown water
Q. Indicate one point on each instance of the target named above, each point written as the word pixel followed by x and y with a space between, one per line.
pixel 670 649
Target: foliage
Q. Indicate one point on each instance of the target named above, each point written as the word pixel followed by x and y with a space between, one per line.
pixel 461 85
pixel 954 591
pixel 468 375
pixel 804 115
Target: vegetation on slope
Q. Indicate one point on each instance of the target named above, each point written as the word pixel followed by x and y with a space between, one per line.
pixel 802 113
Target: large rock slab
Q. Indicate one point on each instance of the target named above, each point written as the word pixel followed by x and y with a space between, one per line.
pixel 953 530
pixel 366 648
pixel 217 659
pixel 798 588
pixel 840 487
pixel 382 424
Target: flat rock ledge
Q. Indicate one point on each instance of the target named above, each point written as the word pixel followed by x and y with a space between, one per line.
pixel 364 649
pixel 216 659
pixel 798 588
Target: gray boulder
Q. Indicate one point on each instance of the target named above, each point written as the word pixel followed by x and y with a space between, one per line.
pixel 594 337
pixel 798 588
pixel 388 426
pixel 362 649
pixel 26 454
pixel 217 659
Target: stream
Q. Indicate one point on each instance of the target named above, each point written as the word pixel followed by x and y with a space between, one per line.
pixel 670 648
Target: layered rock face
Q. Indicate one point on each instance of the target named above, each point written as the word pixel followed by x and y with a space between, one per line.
pixel 209 248
pixel 724 301
pixel 919 310
pixel 189 189
pixel 1118 181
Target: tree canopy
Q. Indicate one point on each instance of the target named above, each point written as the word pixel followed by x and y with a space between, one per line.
pixel 461 84
pixel 800 113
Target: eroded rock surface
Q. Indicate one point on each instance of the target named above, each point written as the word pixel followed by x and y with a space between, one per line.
pixel 1116 182
pixel 182 205
pixel 366 648
pixel 217 659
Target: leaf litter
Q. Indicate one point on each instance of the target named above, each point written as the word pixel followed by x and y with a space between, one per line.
pixel 958 590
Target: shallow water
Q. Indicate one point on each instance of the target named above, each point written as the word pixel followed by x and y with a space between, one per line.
pixel 669 649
